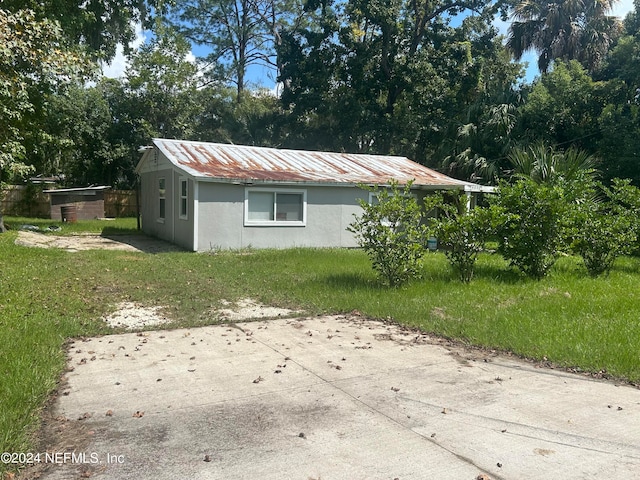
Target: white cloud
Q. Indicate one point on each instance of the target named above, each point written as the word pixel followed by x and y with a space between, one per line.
pixel 117 66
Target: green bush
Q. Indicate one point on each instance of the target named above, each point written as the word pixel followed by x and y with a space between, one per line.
pixel 626 198
pixel 392 233
pixel 533 227
pixel 463 234
pixel 605 227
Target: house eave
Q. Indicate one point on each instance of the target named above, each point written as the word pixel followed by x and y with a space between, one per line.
pixel 473 188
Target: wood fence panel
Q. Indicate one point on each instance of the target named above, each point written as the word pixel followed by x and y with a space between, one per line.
pixel 19 200
pixel 120 203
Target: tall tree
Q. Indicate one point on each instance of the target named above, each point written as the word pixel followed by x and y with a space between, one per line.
pixel 386 77
pixel 238 33
pixel 162 85
pixel 33 59
pixel 97 25
pixel 563 107
pixel 563 29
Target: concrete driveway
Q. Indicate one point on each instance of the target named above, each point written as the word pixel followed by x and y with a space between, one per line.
pixel 330 398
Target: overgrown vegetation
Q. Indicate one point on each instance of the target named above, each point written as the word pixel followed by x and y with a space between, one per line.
pixel 533 219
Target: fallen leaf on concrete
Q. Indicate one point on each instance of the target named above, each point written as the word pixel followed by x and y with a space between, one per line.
pixel 138 414
pixel 84 416
pixel 258 380
pixel 109 413
pixel 482 476
pixel 207 458
pixel 302 435
pixel 395 389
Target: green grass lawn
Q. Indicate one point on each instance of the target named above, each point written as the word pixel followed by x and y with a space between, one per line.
pixel 48 296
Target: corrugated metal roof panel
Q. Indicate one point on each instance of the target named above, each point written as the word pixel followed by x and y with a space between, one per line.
pixel 244 163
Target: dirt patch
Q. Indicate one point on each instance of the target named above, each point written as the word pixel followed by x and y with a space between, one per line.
pixel 77 243
pixel 248 309
pixel 133 316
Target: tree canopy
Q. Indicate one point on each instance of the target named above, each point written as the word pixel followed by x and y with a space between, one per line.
pixel 434 81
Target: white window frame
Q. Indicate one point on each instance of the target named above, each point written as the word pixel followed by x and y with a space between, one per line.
pixel 275 222
pixel 185 198
pixel 162 196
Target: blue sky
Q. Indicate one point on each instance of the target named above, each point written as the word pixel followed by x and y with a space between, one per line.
pixel 262 76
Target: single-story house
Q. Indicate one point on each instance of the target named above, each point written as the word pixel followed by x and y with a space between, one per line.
pixel 206 196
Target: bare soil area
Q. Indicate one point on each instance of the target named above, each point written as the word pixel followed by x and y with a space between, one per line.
pixel 134 316
pixel 76 243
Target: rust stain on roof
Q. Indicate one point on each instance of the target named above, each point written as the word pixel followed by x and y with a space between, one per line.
pixel 244 163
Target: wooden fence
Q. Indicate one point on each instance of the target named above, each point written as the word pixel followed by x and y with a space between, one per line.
pixel 29 201
pixel 120 203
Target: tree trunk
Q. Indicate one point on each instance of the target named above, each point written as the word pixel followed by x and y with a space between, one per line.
pixel 2 227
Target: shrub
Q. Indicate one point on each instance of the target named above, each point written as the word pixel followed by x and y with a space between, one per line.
pixel 603 228
pixel 626 200
pixel 600 239
pixel 392 233
pixel 463 234
pixel 531 232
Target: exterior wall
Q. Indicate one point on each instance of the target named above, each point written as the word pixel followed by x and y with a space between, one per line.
pixel 173 228
pixel 150 206
pixel 182 227
pixel 329 211
pixel 89 205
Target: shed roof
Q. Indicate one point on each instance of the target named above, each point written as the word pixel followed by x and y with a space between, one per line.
pixel 238 163
pixel 79 190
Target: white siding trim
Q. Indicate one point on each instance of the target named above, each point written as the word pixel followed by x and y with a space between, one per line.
pixel 182 216
pixel 196 208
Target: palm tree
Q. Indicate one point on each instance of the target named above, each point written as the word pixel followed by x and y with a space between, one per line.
pixel 545 164
pixel 563 29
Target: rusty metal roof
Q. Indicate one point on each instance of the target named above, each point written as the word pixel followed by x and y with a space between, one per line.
pixel 258 164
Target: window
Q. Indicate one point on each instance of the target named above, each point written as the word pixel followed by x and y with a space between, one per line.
pixel 275 207
pixel 162 199
pixel 183 199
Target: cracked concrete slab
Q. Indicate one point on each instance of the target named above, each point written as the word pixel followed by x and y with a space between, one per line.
pixel 334 397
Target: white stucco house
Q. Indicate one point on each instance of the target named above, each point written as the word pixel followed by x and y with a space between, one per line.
pixel 205 196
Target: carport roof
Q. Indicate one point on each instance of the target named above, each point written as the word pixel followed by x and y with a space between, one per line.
pixel 247 164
